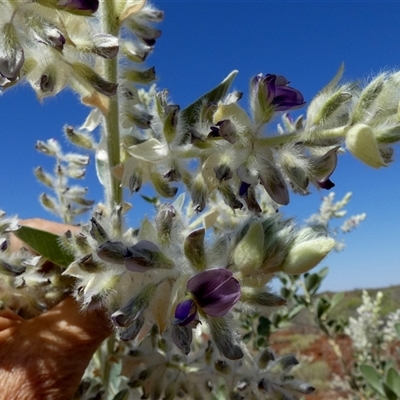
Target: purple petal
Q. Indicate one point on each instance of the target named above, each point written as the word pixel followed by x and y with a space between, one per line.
pixel 281 81
pixel 243 189
pixel 207 281
pixel 85 5
pixel 216 291
pixel 328 184
pixel 218 303
pixel 270 86
pixel 287 98
pixel 185 313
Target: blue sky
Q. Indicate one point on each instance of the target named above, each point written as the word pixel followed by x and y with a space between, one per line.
pixel 201 43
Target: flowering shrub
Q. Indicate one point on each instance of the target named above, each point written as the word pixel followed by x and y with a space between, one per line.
pixel 175 285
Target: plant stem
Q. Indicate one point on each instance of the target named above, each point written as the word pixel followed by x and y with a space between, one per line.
pixel 111 125
pixel 110 344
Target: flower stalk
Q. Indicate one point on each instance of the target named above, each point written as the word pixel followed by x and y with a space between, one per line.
pixel 111 119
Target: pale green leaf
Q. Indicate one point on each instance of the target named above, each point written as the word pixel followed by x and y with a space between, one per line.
pixel 46 244
pixel 372 378
pixel 393 380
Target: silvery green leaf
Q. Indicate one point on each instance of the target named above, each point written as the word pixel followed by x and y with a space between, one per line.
pixel 46 244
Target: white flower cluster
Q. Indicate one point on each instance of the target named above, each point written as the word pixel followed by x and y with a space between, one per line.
pixel 366 330
pixel 390 332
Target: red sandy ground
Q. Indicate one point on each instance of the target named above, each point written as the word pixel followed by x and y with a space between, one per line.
pixel 319 349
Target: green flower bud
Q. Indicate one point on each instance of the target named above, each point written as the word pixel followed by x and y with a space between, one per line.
pixel 332 106
pixel 388 134
pixel 249 252
pixel 162 186
pixel 143 77
pixel 51 147
pixel 97 232
pixel 367 98
pixel 361 142
pixel 48 202
pixel 76 173
pixel 199 193
pixel 164 221
pixel 94 79
pixel 136 53
pixel 79 139
pixel 306 252
pixel 43 177
pixel 194 249
pixel 136 116
pixel 171 113
pixel 78 160
pixel 145 33
pixel 105 45
pixel 229 197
